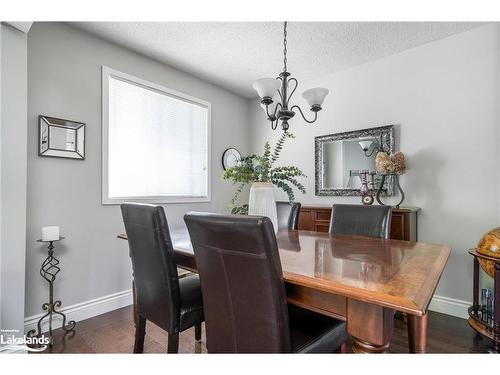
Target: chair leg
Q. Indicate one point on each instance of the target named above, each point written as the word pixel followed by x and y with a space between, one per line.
pixel 140 332
pixel 173 343
pixel 197 331
pixel 341 349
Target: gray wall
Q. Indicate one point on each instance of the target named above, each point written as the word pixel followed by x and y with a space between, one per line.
pixel 13 98
pixel 443 97
pixel 64 72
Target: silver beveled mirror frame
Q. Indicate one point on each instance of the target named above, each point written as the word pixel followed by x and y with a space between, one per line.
pixel 387 133
pixel 44 147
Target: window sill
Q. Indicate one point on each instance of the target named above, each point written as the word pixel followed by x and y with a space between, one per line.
pixel 153 200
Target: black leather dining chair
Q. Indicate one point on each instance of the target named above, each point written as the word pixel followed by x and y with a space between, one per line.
pixel 244 296
pixel 288 215
pixel 171 303
pixel 353 219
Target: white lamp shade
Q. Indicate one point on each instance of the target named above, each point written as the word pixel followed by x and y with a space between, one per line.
pixel 266 87
pixel 315 96
pixel 365 145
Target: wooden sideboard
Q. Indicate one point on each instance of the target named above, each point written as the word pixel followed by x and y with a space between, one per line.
pixel 403 224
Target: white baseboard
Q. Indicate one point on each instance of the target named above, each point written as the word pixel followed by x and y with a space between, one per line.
pixel 84 310
pixel 101 305
pixel 450 306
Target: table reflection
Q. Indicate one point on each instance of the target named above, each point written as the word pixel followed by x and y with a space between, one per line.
pixel 333 257
pixel 288 240
pixel 340 257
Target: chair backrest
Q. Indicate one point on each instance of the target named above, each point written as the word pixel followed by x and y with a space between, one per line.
pixel 370 221
pixel 155 270
pixel 242 283
pixel 288 215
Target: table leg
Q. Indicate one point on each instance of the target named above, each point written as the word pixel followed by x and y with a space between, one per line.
pixel 370 326
pixel 417 333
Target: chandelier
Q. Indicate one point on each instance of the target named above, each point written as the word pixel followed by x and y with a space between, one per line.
pixel 285 86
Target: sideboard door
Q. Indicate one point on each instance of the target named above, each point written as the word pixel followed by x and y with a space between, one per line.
pixel 306 221
pixel 403 224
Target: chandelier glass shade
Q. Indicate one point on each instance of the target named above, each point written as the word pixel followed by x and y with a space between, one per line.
pixel 281 89
pixel 367 143
pixel 266 87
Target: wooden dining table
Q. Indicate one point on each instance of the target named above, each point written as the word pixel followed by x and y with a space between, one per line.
pixel 360 280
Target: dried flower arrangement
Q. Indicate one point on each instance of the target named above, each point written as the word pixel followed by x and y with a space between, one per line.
pixel 390 164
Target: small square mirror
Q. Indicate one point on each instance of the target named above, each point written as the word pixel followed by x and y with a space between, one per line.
pixel 61 138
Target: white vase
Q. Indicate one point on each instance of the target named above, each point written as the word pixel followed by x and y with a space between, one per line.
pixel 262 202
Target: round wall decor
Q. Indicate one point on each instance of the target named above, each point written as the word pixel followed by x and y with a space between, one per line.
pixel 230 158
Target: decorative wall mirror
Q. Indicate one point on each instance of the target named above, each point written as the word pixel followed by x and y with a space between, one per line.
pixel 61 138
pixel 341 158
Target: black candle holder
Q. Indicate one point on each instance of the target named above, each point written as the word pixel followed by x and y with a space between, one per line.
pixel 48 271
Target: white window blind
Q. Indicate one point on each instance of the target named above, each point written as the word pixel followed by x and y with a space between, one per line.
pixel 157 144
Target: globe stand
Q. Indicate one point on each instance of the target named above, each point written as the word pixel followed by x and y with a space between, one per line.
pixel 491 328
pixel 48 271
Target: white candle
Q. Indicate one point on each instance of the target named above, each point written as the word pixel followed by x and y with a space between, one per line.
pixel 50 233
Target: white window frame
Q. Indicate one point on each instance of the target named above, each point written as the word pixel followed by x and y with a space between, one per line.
pixel 106 74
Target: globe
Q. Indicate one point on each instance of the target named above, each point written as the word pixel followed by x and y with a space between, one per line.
pixel 489 245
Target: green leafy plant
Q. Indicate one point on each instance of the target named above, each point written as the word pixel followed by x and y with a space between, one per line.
pixel 260 168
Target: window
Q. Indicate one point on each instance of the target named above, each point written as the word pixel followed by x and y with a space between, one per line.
pixel 156 143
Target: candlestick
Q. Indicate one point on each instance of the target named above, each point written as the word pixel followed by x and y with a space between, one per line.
pixel 49 271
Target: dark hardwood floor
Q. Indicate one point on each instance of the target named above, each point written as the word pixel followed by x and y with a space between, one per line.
pixel 113 332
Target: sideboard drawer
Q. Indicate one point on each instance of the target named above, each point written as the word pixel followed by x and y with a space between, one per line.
pixel 321 227
pixel 323 215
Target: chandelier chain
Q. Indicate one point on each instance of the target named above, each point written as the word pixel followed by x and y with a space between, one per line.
pixel 284 46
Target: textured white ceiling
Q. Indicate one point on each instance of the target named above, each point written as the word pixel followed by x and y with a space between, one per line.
pixel 234 54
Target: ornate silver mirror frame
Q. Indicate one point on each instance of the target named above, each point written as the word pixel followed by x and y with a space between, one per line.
pixel 383 133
